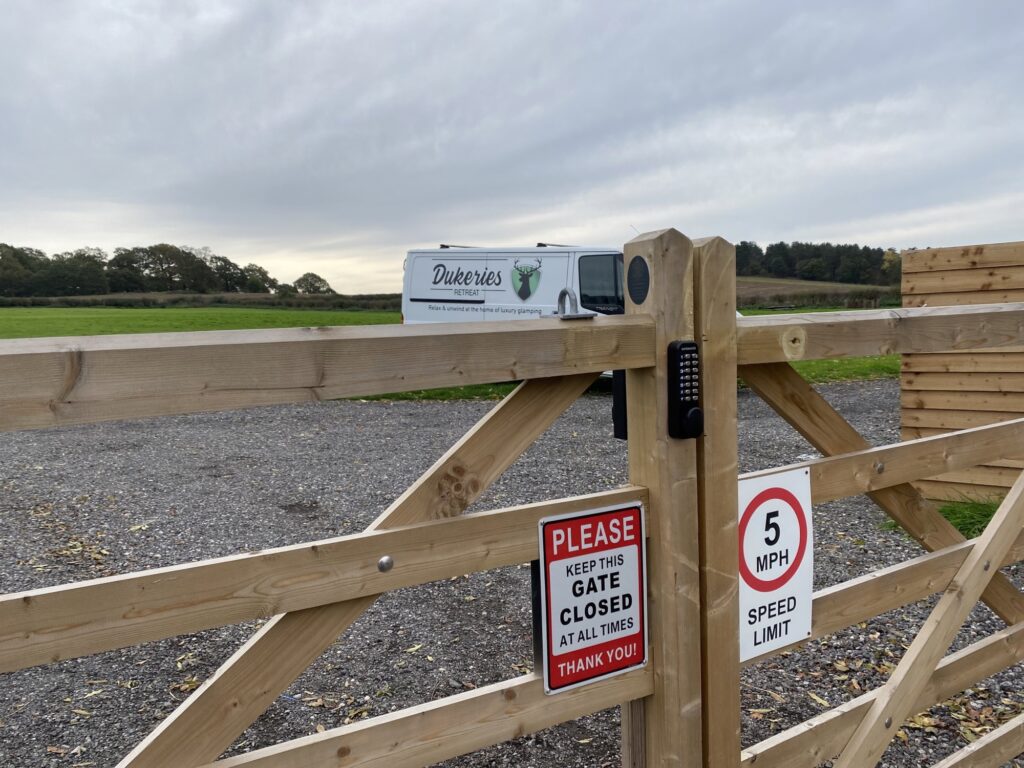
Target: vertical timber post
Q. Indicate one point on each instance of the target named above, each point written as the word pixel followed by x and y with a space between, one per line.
pixel 714 262
pixel 664 729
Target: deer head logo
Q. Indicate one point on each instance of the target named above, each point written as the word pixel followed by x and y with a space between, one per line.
pixel 525 278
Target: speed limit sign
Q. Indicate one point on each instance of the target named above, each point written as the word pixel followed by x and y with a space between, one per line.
pixel 776 561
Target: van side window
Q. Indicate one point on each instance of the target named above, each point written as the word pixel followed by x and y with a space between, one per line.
pixel 601 283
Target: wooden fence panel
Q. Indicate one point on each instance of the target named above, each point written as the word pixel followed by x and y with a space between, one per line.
pixel 952 390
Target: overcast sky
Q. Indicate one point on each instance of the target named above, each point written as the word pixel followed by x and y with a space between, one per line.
pixel 334 136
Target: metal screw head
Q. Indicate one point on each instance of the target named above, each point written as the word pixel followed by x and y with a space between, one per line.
pixel 988 564
pixel 888 722
pixel 385 564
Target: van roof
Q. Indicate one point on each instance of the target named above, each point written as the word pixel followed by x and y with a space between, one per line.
pixel 527 249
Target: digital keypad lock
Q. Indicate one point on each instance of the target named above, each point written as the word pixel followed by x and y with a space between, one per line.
pixel 685 418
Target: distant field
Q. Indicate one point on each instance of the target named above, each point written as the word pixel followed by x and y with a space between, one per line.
pixel 748 288
pixel 25 322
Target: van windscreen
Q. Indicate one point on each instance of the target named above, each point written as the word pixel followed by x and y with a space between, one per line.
pixel 601 283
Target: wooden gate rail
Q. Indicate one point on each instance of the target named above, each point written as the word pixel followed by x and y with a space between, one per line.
pixel 55 623
pixel 78 380
pixel 994 748
pixel 851 602
pixel 872 469
pixel 809 413
pixel 429 733
pixel 821 738
pixel 820 335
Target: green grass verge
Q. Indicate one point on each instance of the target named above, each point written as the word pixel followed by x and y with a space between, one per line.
pixel 29 322
pixel 474 392
pixel 968 517
pixel 849 369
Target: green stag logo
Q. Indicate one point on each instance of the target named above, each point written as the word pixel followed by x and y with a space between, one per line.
pixel 525 279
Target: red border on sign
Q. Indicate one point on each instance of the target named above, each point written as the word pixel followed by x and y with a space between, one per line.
pixel 779 494
pixel 554 681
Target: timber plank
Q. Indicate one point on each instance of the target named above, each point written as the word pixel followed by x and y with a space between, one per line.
pixel 950 419
pixel 1006 402
pixel 946 491
pixel 873 469
pixel 851 602
pixel 963 257
pixel 429 733
pixel 986 362
pixel 715 317
pixel 61 622
pixel 665 728
pixel 77 380
pixel 1002 278
pixel 980 475
pixel 979 381
pixel 819 739
pixel 938 300
pixel 993 749
pixel 830 335
pixel 779 385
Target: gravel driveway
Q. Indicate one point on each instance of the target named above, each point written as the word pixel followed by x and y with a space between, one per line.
pixel 83 502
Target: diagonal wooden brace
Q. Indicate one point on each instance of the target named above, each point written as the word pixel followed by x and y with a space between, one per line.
pixel 206 723
pixel 897 697
pixel 786 391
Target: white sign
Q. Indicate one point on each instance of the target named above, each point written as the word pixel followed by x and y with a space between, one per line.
pixel 593 595
pixel 776 561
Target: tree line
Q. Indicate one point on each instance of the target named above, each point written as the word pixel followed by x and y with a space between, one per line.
pixel 154 268
pixel 838 263
pixel 28 272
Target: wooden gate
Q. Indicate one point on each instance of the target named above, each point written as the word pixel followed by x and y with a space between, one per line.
pixel 963 571
pixel 316 590
pixel 680 710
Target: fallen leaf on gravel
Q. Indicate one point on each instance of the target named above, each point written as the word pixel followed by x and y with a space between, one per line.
pixel 188 684
pixel 57 750
pixel 414 648
pixel 82 712
pixel 320 728
pixel 818 699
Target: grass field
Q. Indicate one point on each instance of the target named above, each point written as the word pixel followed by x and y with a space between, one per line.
pixel 26 322
pixel 756 287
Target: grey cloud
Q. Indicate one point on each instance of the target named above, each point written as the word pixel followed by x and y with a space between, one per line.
pixel 337 134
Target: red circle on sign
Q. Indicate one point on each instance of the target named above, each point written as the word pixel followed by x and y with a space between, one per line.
pixel 778 494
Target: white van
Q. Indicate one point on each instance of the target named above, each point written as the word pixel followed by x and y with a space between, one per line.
pixel 457 284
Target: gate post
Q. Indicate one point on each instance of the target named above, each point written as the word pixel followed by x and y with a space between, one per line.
pixel 717 471
pixel 664 729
